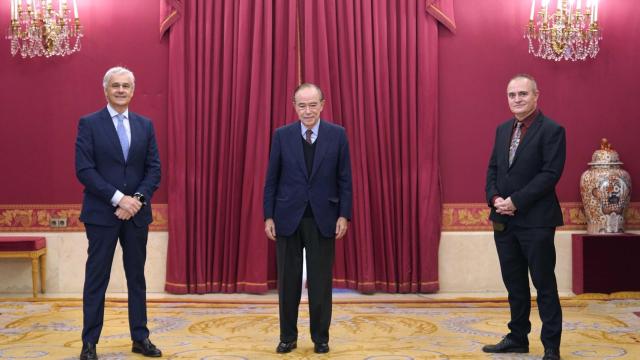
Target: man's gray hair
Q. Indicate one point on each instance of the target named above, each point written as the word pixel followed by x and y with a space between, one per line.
pixel 117 70
pixel 528 77
pixel 308 86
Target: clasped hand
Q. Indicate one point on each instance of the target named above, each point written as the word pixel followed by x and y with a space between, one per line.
pixel 128 207
pixel 504 206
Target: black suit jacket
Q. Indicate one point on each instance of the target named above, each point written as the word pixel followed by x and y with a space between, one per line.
pixel 101 168
pixel 531 179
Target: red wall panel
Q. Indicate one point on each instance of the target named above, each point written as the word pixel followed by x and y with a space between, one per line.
pixel 592 99
pixel 42 99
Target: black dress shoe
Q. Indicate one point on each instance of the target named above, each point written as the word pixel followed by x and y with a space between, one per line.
pixel 88 352
pixel 320 348
pixel 286 347
pixel 146 348
pixel 506 345
pixel 551 354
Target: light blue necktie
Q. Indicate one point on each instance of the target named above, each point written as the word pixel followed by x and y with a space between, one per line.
pixel 122 135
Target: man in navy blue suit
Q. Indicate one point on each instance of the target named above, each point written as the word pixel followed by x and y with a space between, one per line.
pixel 117 161
pixel 307 204
pixel 526 163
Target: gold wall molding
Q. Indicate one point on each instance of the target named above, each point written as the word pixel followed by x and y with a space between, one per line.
pixel 455 217
pixel 475 217
pixel 30 217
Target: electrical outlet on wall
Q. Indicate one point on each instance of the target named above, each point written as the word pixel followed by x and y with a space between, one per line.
pixel 58 222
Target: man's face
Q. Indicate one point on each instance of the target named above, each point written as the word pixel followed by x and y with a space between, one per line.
pixel 119 91
pixel 308 105
pixel 522 97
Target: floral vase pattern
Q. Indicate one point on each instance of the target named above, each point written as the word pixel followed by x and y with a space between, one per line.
pixel 606 191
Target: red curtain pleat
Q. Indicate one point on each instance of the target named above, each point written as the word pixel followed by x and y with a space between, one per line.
pixel 232 69
pixel 233 66
pixel 377 63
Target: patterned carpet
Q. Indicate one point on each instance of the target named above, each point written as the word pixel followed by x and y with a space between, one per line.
pixel 595 327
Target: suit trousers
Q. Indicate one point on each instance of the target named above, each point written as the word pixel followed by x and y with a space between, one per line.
pixel 319 254
pixel 530 250
pixel 102 245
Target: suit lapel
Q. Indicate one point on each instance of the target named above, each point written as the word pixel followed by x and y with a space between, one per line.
pixel 110 132
pixel 295 143
pixel 321 147
pixel 136 131
pixel 507 130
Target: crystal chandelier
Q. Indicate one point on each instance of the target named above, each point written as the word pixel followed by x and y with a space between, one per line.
pixel 38 28
pixel 570 32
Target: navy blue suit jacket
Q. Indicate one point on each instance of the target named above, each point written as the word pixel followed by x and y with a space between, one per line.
pixel 289 187
pixel 101 168
pixel 531 179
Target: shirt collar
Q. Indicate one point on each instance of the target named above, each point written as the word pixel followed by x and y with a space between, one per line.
pixel 314 129
pixel 529 119
pixel 113 112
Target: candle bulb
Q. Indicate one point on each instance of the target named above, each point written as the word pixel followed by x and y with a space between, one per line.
pixel 533 9
pixel 75 9
pixel 13 10
pixel 595 15
pixel 559 4
pixel 578 5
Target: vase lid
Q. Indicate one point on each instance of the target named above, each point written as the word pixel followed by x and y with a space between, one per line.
pixel 605 155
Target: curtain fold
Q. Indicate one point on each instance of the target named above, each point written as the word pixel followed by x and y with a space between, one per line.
pixel 231 68
pixel 442 10
pixel 377 63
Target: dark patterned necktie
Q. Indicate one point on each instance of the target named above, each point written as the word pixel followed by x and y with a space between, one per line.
pixel 515 141
pixel 308 133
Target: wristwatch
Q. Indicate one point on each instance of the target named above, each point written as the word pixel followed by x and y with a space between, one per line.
pixel 140 197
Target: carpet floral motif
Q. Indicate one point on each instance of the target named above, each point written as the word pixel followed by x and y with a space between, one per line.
pixel 50 329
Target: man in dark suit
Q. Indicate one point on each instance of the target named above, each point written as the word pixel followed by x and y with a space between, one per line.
pixel 117 161
pixel 307 204
pixel 525 166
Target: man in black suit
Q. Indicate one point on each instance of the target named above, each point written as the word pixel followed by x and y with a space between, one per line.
pixel 525 166
pixel 117 161
pixel 307 204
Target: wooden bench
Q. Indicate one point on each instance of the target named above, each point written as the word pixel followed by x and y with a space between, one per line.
pixel 28 247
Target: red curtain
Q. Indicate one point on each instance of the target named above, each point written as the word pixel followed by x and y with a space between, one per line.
pixel 377 62
pixel 233 67
pixel 231 70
